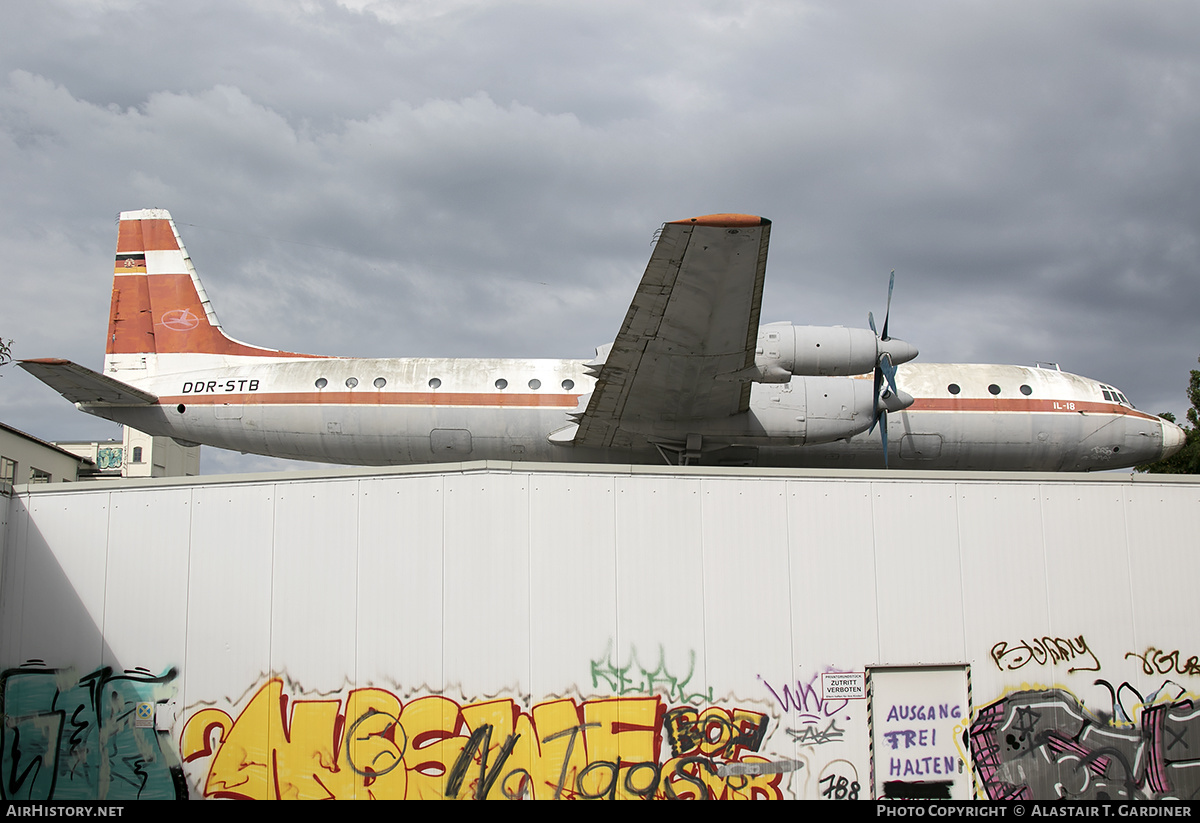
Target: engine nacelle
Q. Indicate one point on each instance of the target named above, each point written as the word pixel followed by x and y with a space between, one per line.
pixel 817 409
pixel 785 350
pixel 823 409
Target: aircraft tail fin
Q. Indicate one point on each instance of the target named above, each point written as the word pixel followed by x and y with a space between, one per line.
pixel 158 303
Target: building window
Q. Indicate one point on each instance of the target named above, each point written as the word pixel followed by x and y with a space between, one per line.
pixel 137 454
pixel 8 472
pixel 38 476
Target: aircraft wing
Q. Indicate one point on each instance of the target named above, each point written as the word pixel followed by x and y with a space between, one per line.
pixel 82 385
pixel 691 329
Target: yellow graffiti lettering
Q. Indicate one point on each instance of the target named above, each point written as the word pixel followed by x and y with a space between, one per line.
pixel 377 747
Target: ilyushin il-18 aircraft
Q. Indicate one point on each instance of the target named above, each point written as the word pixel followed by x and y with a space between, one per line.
pixel 691 378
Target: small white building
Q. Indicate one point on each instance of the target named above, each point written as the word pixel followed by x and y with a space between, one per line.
pixel 27 459
pixel 137 455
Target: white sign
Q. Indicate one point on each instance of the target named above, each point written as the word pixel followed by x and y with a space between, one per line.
pixel 844 686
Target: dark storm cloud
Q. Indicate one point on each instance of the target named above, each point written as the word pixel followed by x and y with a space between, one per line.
pixel 484 178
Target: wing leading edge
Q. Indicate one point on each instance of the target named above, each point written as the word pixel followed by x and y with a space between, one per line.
pixel 690 332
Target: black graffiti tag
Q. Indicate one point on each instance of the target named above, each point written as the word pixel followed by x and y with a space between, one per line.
pixel 1043 650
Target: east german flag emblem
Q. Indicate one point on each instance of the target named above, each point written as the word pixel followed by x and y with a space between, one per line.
pixel 130 263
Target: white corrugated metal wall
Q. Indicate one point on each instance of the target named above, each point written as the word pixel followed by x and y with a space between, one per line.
pixel 546 632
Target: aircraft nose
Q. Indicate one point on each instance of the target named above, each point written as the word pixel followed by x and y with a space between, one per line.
pixel 1173 438
pixel 898 351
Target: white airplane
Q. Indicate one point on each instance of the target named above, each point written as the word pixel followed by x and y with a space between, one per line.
pixel 690 379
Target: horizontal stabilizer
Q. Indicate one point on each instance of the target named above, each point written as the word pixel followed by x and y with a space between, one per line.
pixel 82 385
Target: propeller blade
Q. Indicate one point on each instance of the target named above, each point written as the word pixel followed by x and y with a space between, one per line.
pixel 878 386
pixel 889 371
pixel 888 312
pixel 871 322
pixel 883 434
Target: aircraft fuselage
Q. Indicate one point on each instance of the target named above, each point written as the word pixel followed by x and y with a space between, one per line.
pixel 365 411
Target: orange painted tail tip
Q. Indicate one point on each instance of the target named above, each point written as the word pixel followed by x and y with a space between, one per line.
pixel 726 221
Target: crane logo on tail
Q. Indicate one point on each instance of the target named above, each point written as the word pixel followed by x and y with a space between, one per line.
pixel 179 320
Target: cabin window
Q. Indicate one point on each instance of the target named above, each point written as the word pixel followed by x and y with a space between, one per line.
pixel 502 384
pixel 351 382
pixel 380 382
pixel 321 383
pixel 535 384
pixel 994 389
pixel 434 382
pixel 954 388
pixel 568 385
pixel 1026 390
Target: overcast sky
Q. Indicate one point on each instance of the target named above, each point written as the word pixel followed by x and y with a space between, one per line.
pixel 457 178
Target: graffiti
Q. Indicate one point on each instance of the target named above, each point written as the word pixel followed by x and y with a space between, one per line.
pixel 941 711
pixel 634 678
pixel 108 458
pixel 373 745
pixel 1043 744
pixel 1157 661
pixel 814 735
pixel 835 787
pixel 816 713
pixel 806 700
pixel 925 761
pixel 1045 650
pixel 66 737
pixel 839 781
pixel 924 790
pixel 777 767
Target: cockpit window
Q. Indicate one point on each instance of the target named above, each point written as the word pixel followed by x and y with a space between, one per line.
pixel 1115 396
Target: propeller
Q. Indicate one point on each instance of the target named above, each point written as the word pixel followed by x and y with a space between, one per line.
pixel 890 398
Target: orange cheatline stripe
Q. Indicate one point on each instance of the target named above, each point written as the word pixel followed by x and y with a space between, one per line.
pixel 372 397
pixel 978 404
